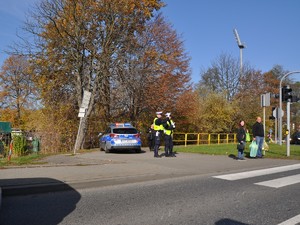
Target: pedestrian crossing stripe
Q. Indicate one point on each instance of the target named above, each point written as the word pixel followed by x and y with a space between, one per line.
pixel 256 173
pixel 275 183
pixel 293 221
pixel 281 182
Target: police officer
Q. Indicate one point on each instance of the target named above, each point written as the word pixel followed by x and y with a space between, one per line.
pixel 169 127
pixel 151 137
pixel 158 127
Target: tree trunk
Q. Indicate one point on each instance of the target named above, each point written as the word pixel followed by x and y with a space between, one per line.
pixel 80 134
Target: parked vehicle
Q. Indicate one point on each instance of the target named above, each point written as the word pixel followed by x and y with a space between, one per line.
pixel 295 138
pixel 120 136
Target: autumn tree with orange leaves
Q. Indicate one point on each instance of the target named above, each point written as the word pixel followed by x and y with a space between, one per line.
pixel 153 74
pixel 78 46
pixel 17 93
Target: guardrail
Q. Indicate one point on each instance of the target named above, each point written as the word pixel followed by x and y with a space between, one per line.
pixel 203 138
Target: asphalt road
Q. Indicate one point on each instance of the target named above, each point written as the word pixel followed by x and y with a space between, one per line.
pixel 187 200
pixel 195 197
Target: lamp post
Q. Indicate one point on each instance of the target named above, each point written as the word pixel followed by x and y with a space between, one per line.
pixel 241 46
pixel 280 106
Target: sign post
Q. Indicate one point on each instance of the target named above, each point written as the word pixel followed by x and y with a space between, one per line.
pixel 288 113
pixel 84 106
pixel 265 101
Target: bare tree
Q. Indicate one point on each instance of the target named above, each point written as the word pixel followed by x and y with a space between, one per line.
pixel 223 76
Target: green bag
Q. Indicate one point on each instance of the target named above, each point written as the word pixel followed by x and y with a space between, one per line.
pixel 253 149
pixel 248 137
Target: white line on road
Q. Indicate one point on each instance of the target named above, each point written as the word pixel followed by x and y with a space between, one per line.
pixel 293 221
pixel 281 182
pixel 256 173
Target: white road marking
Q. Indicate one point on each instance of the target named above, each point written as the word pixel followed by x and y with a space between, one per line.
pixel 281 182
pixel 293 221
pixel 275 183
pixel 256 173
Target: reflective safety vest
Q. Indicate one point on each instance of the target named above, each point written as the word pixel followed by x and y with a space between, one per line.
pixel 157 127
pixel 169 132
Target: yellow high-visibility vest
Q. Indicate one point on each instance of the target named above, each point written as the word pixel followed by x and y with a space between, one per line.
pixel 157 127
pixel 168 132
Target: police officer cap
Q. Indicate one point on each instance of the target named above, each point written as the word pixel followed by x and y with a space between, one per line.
pixel 159 113
pixel 168 114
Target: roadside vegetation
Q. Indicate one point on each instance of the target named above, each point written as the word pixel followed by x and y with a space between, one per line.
pixel 32 159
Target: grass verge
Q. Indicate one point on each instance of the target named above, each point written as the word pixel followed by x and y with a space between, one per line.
pixel 34 159
pixel 275 150
pixel 22 160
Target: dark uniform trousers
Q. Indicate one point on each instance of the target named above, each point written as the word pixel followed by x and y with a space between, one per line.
pixel 168 145
pixel 158 136
pixel 151 140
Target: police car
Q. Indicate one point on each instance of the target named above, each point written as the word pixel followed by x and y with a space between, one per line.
pixel 120 136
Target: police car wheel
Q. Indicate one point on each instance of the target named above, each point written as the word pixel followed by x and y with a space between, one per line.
pixel 100 147
pixel 106 149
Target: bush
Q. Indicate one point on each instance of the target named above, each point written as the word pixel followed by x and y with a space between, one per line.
pixel 19 145
pixel 2 149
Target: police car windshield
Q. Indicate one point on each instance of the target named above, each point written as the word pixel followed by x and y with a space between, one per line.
pixel 125 131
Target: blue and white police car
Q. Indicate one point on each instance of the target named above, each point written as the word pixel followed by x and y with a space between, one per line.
pixel 120 136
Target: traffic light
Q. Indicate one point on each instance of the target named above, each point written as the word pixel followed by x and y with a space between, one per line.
pixel 286 94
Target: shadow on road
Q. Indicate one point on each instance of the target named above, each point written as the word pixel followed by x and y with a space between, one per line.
pixel 30 201
pixel 229 222
pixel 232 156
pixel 126 152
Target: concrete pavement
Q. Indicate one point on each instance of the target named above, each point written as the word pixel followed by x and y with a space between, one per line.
pixel 96 169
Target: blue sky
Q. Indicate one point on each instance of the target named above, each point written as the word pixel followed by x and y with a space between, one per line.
pixel 269 28
pixel 12 14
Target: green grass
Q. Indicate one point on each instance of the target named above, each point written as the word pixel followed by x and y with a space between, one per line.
pixel 22 160
pixel 34 159
pixel 275 150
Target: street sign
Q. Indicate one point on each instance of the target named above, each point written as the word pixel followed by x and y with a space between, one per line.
pixel 265 99
pixel 84 104
pixel 81 112
pixel 276 113
pixel 86 99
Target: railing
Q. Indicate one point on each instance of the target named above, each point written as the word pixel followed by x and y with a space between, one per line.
pixel 203 138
